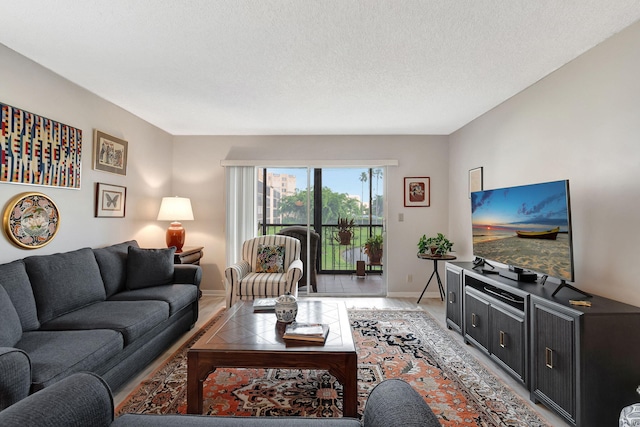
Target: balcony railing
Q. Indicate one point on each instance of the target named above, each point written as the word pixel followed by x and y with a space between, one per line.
pixel 334 257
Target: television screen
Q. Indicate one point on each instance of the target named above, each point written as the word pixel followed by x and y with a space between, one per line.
pixel 527 226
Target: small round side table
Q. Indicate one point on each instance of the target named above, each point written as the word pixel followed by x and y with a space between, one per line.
pixel 435 259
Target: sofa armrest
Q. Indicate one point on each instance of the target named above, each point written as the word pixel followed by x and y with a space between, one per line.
pixel 394 402
pixel 82 399
pixel 187 274
pixel 15 376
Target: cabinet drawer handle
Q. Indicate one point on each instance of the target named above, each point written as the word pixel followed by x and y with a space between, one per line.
pixel 473 320
pixel 452 297
pixel 548 357
pixel 503 339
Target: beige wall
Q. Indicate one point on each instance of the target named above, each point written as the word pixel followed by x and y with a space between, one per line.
pixel 26 85
pixel 202 178
pixel 581 123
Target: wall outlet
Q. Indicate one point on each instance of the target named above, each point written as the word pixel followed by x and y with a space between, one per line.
pixel 409 278
pixel 400 217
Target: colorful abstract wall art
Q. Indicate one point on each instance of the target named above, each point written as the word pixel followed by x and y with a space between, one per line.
pixel 38 151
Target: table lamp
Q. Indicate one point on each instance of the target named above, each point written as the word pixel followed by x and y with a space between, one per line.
pixel 175 209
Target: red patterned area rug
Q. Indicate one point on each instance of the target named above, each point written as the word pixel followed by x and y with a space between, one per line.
pixel 391 344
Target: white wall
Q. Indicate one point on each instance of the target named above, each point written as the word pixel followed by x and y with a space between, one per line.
pixel 581 123
pixel 28 86
pixel 198 174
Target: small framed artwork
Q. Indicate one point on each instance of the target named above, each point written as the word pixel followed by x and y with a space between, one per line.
pixel 110 200
pixel 31 220
pixel 475 180
pixel 109 153
pixel 417 191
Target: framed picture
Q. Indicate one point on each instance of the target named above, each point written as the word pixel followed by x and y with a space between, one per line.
pixel 36 150
pixel 109 153
pixel 417 191
pixel 31 220
pixel 475 180
pixel 110 200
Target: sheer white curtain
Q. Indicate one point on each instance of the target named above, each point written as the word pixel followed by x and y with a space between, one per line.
pixel 241 219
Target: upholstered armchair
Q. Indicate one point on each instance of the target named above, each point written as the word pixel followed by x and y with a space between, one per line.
pixel 270 267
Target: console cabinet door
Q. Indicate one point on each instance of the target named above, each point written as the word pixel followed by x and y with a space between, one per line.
pixel 508 340
pixel 476 320
pixel 554 359
pixel 454 299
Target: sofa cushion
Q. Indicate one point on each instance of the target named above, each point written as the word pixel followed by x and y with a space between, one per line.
pixel 58 354
pixel 131 318
pixel 149 267
pixel 270 259
pixel 112 261
pixel 10 327
pixel 177 296
pixel 262 285
pixel 64 282
pixel 14 278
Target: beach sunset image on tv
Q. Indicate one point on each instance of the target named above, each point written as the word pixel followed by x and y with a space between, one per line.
pixel 527 226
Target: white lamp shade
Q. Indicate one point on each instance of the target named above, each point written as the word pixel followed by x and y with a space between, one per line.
pixel 175 209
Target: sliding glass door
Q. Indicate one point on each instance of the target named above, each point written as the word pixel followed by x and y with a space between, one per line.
pixel 326 201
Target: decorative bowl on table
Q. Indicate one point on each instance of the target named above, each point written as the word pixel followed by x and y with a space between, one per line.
pixel 286 308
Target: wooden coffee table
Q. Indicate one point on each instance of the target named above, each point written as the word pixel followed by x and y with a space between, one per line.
pixel 244 339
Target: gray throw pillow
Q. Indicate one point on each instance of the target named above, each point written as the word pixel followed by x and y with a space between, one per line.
pixel 113 265
pixel 149 267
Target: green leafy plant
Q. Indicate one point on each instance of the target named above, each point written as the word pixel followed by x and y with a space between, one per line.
pixel 423 244
pixel 345 231
pixel 373 248
pixel 438 245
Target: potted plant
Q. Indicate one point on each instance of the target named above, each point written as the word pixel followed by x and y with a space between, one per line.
pixel 424 244
pixel 438 245
pixel 345 231
pixel 373 249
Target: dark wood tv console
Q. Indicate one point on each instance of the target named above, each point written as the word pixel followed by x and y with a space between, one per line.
pixel 581 362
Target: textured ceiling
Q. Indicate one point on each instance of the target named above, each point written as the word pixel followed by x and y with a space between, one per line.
pixel 303 67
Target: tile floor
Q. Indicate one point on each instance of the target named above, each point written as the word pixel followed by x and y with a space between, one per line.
pixel 349 285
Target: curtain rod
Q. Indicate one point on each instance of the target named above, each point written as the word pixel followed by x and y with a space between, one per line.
pixel 314 163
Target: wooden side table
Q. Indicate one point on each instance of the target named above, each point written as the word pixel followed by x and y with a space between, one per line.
pixel 189 255
pixel 435 259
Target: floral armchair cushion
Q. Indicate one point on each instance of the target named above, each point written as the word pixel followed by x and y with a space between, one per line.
pixel 270 259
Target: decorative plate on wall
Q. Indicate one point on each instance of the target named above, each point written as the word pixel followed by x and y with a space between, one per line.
pixel 31 220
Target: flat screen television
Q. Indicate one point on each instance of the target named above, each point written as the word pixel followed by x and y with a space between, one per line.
pixel 526 227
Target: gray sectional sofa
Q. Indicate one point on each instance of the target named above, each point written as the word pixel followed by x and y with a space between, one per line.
pixel 85 400
pixel 109 311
